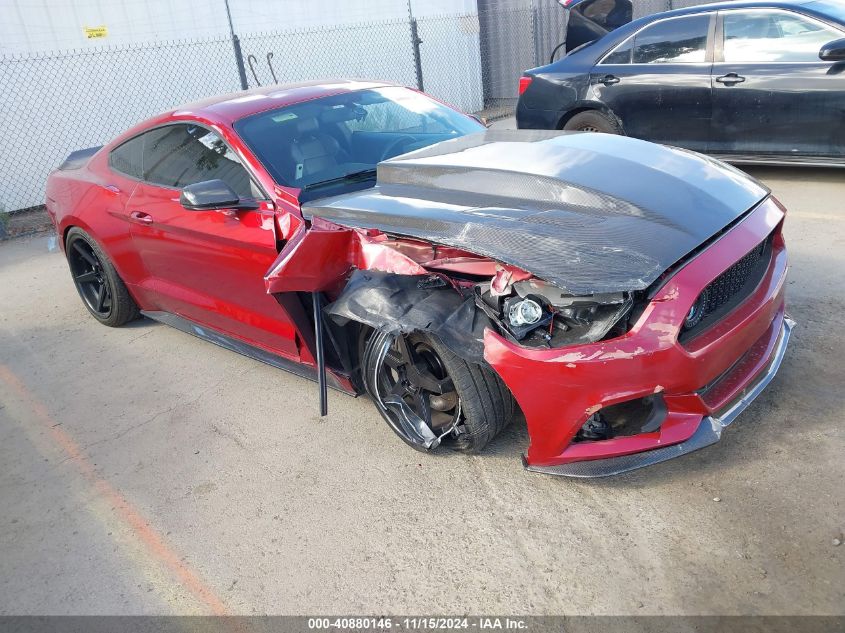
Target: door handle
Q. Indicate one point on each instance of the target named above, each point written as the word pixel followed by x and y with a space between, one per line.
pixel 609 80
pixel 141 218
pixel 730 79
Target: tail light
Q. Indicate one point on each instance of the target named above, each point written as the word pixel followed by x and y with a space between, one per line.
pixel 524 82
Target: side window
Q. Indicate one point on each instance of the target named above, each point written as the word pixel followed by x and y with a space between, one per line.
pixel 183 154
pixel 126 158
pixel 621 54
pixel 674 41
pixel 774 36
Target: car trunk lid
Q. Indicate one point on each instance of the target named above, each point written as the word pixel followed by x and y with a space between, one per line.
pixel 589 20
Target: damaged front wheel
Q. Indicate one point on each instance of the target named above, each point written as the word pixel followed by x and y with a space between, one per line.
pixel 429 396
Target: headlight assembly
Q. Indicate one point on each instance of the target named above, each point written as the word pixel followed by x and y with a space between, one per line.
pixel 537 314
pixel 524 315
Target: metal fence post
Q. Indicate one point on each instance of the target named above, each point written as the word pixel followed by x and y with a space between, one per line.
pixel 415 42
pixel 239 60
pixel 236 45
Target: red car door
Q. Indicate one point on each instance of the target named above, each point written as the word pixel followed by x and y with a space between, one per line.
pixel 207 266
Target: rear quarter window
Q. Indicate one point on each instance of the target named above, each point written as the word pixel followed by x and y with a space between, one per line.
pixel 127 158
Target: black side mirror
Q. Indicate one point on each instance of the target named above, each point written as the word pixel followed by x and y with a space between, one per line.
pixel 211 195
pixel 833 51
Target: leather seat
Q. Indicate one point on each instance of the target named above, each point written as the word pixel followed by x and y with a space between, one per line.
pixel 313 151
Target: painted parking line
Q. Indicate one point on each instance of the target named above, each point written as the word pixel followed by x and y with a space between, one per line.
pixel 153 544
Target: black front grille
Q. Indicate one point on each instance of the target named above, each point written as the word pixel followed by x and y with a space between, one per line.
pixel 729 289
pixel 730 282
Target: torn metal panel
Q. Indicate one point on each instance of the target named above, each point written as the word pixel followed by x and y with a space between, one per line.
pixel 581 211
pixel 311 260
pixel 321 257
pixel 404 303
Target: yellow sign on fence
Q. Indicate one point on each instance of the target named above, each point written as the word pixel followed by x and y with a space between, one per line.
pixel 95 32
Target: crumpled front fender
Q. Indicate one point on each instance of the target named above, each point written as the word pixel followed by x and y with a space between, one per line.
pixel 319 258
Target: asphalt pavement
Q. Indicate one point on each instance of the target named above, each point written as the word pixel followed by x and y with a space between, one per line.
pixel 145 471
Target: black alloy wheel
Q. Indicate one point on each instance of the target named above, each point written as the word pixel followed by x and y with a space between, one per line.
pixel 95 277
pixel 431 396
pixel 412 389
pixel 90 278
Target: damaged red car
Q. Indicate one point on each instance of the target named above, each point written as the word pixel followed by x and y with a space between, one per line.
pixel 626 297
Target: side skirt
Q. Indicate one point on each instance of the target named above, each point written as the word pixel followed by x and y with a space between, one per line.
pixel 234 345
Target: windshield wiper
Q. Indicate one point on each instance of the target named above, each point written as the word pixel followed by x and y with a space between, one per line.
pixel 355 176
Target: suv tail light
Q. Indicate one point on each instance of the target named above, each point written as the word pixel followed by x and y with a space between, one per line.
pixel 524 82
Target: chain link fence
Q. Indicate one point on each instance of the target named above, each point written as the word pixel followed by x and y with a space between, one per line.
pixel 55 103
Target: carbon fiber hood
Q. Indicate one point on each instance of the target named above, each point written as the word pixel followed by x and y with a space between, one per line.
pixel 587 212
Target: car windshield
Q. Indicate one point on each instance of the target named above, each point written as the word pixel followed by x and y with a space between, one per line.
pixel 337 141
pixel 834 8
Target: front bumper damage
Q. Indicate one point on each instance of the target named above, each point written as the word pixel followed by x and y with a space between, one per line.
pixel 705 382
pixel 709 430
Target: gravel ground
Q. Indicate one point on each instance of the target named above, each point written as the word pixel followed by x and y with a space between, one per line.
pixel 23 223
pixel 145 471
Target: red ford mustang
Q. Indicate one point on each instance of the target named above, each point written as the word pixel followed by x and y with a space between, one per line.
pixel 627 297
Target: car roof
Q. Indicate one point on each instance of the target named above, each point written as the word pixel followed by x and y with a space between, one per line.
pixel 612 38
pixel 228 108
pixel 733 4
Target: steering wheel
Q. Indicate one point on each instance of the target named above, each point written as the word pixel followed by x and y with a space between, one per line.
pixel 399 142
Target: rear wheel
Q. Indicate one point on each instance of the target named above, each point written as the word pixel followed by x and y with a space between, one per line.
pixel 100 287
pixel 429 396
pixel 592 121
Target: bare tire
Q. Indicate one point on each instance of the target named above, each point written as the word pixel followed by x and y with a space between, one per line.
pixel 100 287
pixel 593 121
pixel 428 395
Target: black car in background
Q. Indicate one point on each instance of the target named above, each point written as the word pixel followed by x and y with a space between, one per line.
pixel 746 81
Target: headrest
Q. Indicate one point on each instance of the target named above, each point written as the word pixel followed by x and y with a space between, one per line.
pixel 307 125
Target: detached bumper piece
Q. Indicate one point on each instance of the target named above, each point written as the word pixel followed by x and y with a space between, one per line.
pixel 709 430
